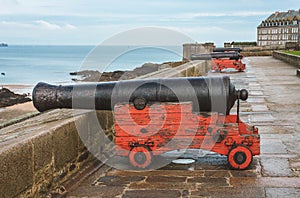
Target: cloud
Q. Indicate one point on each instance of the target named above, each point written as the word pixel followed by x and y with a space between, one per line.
pixel 41 24
pixel 47 25
pixel 16 24
pixel 52 26
pixel 223 14
pixel 70 27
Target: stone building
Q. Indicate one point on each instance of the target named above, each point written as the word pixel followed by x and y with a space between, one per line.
pixel 279 28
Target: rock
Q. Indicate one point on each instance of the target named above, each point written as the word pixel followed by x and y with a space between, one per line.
pixel 96 76
pixel 9 98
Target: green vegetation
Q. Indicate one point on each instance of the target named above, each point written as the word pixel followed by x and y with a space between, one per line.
pixel 245 43
pixel 297 53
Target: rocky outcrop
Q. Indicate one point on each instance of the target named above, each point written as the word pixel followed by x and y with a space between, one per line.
pixel 8 98
pixel 96 76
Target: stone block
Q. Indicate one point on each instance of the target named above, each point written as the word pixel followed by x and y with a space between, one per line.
pixel 42 150
pixel 82 126
pixel 65 144
pixel 16 167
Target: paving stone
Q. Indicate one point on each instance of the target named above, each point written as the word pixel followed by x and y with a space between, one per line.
pixel 278 182
pixel 244 173
pixel 161 172
pixel 231 192
pixel 283 192
pixel 255 93
pixel 275 167
pixel 261 117
pixel 217 173
pixel 152 193
pixel 274 146
pixel 242 182
pixel 162 185
pixel 117 180
pixel 256 99
pixel 208 182
pixel 96 191
pixel 154 179
pixel 259 107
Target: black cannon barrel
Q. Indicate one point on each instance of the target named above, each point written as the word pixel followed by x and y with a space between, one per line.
pixel 227 49
pixel 208 94
pixel 230 55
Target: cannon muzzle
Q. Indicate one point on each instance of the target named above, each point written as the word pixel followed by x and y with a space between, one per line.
pixel 208 94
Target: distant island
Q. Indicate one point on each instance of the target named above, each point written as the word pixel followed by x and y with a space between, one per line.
pixel 3 45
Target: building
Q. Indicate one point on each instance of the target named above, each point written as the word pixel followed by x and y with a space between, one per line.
pixel 279 28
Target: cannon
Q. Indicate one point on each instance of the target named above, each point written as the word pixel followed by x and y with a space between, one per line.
pixel 201 91
pixel 229 55
pixel 227 49
pixel 222 60
pixel 154 116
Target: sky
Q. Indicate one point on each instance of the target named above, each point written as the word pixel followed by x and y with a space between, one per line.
pixel 90 22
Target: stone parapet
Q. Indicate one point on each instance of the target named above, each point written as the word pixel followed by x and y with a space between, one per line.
pixel 39 154
pixel 288 58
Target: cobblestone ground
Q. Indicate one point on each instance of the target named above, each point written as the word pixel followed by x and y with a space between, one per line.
pixel 273 106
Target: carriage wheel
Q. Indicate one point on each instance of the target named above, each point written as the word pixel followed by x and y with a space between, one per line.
pixel 140 157
pixel 240 157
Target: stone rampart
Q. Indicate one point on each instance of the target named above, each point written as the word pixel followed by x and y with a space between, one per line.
pixel 288 58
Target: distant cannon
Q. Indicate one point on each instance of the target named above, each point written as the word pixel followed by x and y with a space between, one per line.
pixel 227 49
pixel 222 60
pixel 217 55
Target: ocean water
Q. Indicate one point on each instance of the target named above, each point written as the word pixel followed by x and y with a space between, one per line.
pixel 28 65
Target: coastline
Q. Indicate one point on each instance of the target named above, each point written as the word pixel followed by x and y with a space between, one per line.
pixel 19 88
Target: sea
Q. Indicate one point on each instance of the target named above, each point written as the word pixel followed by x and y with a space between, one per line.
pixel 29 64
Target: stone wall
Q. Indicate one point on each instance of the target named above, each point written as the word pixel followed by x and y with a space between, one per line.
pixel 196 48
pixel 257 50
pixel 41 153
pixel 289 58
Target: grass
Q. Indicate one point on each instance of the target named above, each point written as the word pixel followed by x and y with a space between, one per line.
pixel 297 53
